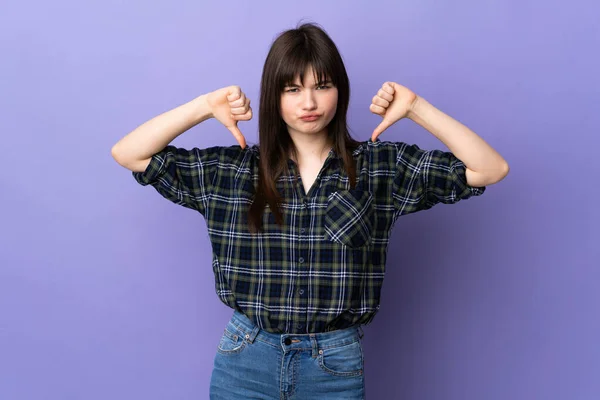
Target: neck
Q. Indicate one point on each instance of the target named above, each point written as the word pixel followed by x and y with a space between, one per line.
pixel 311 148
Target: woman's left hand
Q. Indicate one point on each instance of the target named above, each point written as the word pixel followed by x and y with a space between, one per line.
pixel 393 102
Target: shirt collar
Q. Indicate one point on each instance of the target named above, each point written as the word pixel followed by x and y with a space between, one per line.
pixel 332 153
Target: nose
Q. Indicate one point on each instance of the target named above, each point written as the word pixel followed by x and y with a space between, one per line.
pixel 308 100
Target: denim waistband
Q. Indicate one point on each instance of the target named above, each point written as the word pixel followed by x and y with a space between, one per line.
pixel 292 341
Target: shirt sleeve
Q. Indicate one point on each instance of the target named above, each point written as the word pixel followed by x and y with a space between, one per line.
pixel 424 178
pixel 182 176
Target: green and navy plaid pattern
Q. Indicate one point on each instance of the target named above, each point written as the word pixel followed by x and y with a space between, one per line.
pixel 324 269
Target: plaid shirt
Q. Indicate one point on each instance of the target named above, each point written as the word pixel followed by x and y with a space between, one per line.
pixel 324 269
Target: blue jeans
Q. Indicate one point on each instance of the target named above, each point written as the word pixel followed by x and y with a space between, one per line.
pixel 255 364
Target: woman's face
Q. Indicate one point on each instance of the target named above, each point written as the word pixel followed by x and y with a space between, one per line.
pixel 310 108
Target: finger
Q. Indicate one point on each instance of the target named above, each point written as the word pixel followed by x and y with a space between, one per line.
pixel 375 109
pixel 243 109
pixel 388 87
pixel 379 130
pixel 378 101
pixel 238 111
pixel 385 95
pixel 235 93
pixel 244 117
pixel 239 102
pixel 238 135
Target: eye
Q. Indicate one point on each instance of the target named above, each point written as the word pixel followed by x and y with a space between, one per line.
pixel 323 86
pixel 292 90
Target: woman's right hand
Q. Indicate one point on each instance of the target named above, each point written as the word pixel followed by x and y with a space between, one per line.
pixel 230 105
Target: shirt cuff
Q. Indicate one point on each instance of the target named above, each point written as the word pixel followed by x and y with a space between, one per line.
pixel 460 171
pixel 152 172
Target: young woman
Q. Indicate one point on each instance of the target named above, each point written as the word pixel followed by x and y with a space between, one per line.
pixel 300 223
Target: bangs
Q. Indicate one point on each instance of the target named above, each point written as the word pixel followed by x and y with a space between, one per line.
pixel 297 60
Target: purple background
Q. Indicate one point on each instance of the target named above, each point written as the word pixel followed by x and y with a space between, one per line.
pixel 107 290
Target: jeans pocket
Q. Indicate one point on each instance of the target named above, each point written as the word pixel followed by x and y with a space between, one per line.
pixel 349 217
pixel 346 360
pixel 232 342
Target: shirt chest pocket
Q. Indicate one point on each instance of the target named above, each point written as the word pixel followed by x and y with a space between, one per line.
pixel 349 217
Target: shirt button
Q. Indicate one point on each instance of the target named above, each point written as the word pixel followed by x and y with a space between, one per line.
pixel 301 291
pixel 301 260
pixel 305 205
pixel 299 326
pixel 302 230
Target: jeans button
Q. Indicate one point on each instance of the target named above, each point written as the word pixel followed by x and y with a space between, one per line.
pixel 287 341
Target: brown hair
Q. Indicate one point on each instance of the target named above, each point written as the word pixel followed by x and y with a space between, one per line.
pixel 291 53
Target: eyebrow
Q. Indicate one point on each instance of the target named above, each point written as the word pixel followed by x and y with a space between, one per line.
pixel 321 83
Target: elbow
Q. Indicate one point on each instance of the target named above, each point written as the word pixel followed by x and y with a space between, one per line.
pixel 128 162
pixel 504 170
pixel 114 152
pixel 480 179
pixel 501 173
pixel 117 154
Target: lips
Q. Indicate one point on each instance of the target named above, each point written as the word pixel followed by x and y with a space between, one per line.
pixel 310 117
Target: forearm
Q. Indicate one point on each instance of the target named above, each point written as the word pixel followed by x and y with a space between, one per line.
pixel 478 156
pixel 154 135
